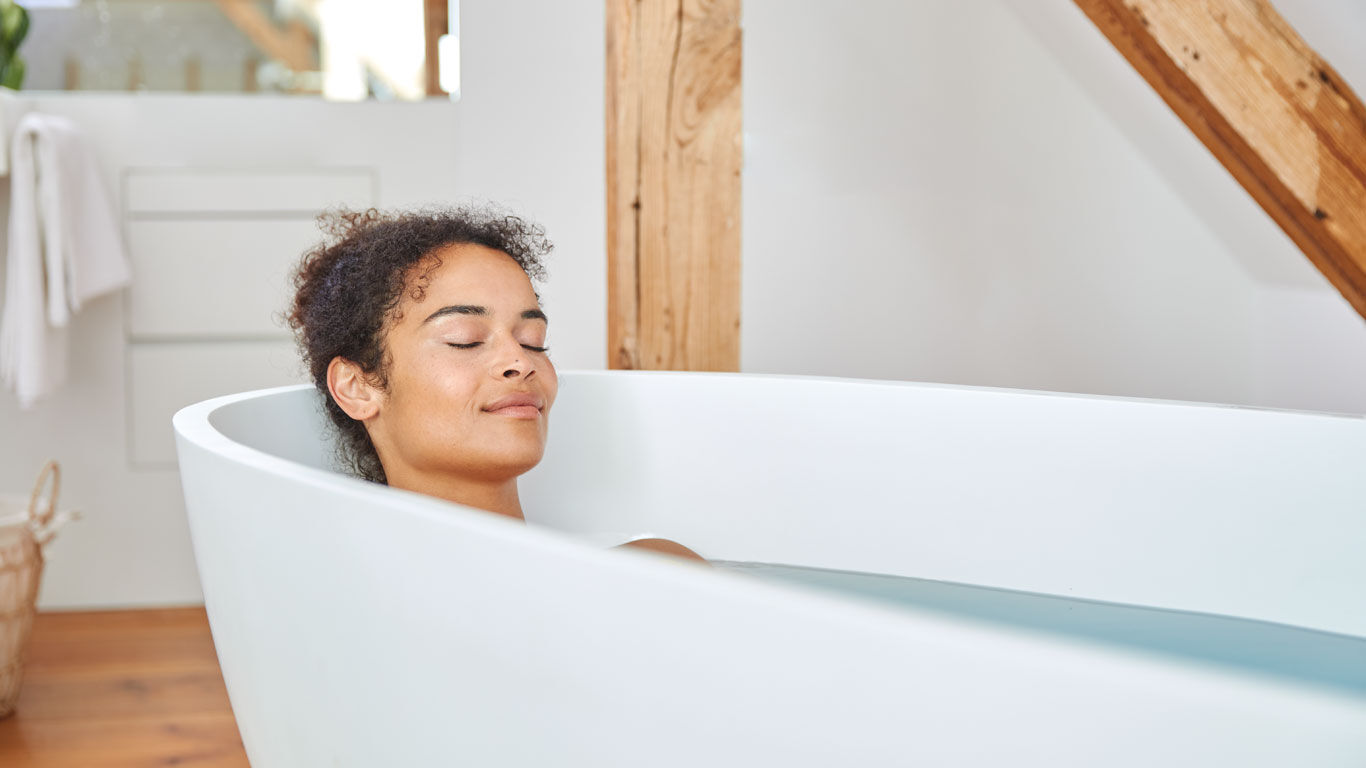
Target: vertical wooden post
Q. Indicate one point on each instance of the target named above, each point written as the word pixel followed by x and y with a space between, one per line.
pixel 135 72
pixel 674 151
pixel 435 23
pixel 250 83
pixel 193 72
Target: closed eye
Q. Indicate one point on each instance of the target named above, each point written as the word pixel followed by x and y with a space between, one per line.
pixel 473 344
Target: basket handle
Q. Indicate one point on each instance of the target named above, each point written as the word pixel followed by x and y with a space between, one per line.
pixel 39 520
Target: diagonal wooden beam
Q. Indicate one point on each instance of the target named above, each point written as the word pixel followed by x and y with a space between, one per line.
pixel 673 184
pixel 1281 120
pixel 290 46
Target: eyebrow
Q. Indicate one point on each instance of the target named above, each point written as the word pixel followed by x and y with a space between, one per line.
pixel 470 309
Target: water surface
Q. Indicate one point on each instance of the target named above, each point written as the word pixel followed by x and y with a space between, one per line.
pixel 1264 648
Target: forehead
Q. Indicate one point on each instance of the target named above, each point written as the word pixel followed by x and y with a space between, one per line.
pixel 467 271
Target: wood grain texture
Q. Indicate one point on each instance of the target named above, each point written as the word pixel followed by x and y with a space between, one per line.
pixel 1277 116
pixel 121 688
pixel 674 152
pixel 435 23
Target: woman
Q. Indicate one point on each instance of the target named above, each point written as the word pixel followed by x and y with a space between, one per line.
pixel 425 335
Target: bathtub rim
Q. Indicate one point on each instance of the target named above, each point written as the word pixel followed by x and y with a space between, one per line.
pixel 941 385
pixel 193 424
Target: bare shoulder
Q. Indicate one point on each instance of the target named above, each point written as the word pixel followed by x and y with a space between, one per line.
pixel 667 547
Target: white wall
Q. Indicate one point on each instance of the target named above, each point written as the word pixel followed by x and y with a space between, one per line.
pixel 984 192
pixel 528 133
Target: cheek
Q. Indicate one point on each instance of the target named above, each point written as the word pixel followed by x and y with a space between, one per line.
pixel 438 384
pixel 552 384
pixel 456 384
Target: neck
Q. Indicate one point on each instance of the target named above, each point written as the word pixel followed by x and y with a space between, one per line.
pixel 498 496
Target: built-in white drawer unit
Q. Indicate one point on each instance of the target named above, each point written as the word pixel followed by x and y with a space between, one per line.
pixel 211 252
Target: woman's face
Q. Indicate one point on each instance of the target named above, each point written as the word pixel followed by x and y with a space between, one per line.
pixel 469 383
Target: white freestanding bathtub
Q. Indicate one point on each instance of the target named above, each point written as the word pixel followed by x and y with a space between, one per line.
pixel 358 625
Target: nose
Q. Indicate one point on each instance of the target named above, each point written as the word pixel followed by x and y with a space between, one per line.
pixel 512 362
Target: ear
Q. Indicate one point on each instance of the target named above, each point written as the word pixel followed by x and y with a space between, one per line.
pixel 352 389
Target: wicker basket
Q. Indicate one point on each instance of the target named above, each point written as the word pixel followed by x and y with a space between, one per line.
pixel 26 524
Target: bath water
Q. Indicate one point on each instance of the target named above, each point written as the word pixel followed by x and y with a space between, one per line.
pixel 1279 650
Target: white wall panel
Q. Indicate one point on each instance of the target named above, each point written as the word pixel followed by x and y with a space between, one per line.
pixel 213 278
pixel 163 378
pixel 199 190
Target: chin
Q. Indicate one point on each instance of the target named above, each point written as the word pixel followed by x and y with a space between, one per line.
pixel 515 460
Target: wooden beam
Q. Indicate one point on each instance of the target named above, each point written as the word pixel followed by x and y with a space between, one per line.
pixel 291 46
pixel 435 23
pixel 193 74
pixel 673 184
pixel 71 75
pixel 1281 120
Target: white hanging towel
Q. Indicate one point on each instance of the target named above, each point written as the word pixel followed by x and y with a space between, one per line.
pixel 11 109
pixel 65 248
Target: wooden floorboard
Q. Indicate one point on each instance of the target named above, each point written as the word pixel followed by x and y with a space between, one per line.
pixel 122 689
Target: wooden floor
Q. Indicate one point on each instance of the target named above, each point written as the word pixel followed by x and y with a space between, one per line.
pixel 121 688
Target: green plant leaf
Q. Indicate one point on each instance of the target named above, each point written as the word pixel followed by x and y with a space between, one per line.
pixel 23 26
pixel 13 29
pixel 11 17
pixel 13 76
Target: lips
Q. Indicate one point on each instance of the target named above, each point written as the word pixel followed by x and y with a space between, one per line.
pixel 520 405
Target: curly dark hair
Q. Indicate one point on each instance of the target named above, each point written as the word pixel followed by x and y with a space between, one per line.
pixel 347 288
